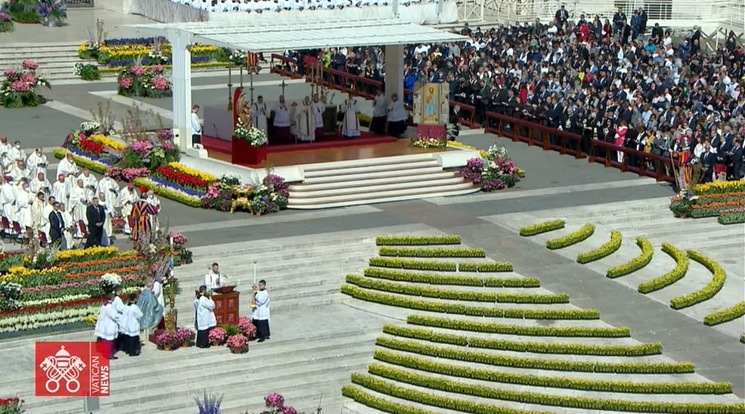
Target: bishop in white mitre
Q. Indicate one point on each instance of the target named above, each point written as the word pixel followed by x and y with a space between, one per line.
pixel 351 126
pixel 318 109
pixel 60 190
pixel 23 203
pixel 260 114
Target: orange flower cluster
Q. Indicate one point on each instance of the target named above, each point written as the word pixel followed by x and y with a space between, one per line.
pixel 101 262
pixel 739 194
pixel 97 273
pixel 719 206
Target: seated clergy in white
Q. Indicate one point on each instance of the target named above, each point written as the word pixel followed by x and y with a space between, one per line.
pixel 37 162
pixel 214 279
pixel 306 122
pixel 259 114
pixel 40 183
pixel 89 180
pixel 351 126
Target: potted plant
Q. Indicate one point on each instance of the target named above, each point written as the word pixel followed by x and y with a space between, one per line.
pixel 209 404
pixel 217 336
pixel 238 344
pixel 186 336
pixel 167 341
pixel 247 327
pixel 11 405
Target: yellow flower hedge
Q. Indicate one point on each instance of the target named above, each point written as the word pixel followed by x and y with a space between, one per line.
pixel 431 252
pixel 92 253
pixel 544 227
pixel 719 276
pixel 439 266
pixel 605 250
pixel 192 172
pixel 461 295
pixel 636 263
pixel 680 270
pixel 455 280
pixel 725 315
pixel 523 346
pixel 459 309
pixel 522 330
pixel 367 399
pixel 169 193
pixel 718 187
pixel 578 236
pixel 208 65
pixel 416 240
pixel 108 142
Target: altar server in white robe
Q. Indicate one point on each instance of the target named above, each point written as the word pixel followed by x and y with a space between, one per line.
pixel 107 325
pixel 130 326
pixel 109 187
pixel 318 110
pixel 306 122
pixel 259 114
pixel 24 200
pixel 380 111
pixel 40 183
pixel 78 205
pixel 397 116
pixel 127 197
pixel 155 202
pixel 37 162
pixel 281 123
pixel 67 166
pixel 69 226
pixel 59 189
pixel 40 220
pixel 205 315
pixel 351 126
pixel 108 227
pixel 260 314
pixel 8 199
pixel 89 180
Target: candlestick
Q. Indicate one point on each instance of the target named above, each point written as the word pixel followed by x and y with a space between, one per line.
pixel 254 274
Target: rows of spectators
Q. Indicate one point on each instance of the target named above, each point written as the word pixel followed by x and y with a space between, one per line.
pixel 261 6
pixel 616 81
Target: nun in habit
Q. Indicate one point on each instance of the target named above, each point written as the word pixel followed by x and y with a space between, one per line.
pixel 351 126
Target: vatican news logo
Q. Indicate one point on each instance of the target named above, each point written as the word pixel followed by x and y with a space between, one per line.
pixel 72 369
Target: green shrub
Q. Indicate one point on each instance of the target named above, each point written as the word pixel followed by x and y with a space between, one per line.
pixel 719 276
pixel 381 404
pixel 491 267
pixel 455 280
pixel 432 252
pixel 26 17
pixel 680 270
pixel 6 27
pixel 527 397
pixel 544 227
pixel 725 315
pixel 522 346
pixel 742 338
pixel 501 360
pixel 460 294
pixel 572 238
pixel 605 250
pixel 413 264
pixel 416 240
pixel 731 218
pixel 461 371
pixel 636 263
pixel 459 309
pixel 522 330
pixel 87 71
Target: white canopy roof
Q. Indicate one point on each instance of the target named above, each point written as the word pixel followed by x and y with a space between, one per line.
pixel 298 35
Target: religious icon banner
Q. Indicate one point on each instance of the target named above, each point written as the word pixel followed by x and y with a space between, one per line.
pixel 431 105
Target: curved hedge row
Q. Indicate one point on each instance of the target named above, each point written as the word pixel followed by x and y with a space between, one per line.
pixel 605 250
pixel 522 330
pixel 719 276
pixel 449 294
pixel 527 397
pixel 439 266
pixel 544 227
pixel 680 270
pixel 636 263
pixel 523 346
pixel 454 280
pixel 725 315
pixel 416 240
pixel 481 374
pixel 380 404
pixel 431 252
pixel 501 360
pixel 458 309
pixel 742 338
pixel 572 238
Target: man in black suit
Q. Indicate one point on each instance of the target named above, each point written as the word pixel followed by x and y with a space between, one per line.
pixel 96 217
pixel 707 159
pixel 736 160
pixel 57 227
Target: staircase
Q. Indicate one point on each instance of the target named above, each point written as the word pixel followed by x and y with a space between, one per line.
pixel 375 180
pixel 56 61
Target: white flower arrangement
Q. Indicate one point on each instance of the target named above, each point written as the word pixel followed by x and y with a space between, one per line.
pixel 67 298
pixel 90 126
pixel 497 152
pixel 254 136
pixel 110 281
pixel 238 57
pixel 24 322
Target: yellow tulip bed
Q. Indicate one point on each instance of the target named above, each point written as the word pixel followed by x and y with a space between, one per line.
pixel 479 343
pixel 116 53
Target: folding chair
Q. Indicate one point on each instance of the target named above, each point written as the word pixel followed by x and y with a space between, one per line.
pixel 42 239
pixel 5 227
pixel 83 232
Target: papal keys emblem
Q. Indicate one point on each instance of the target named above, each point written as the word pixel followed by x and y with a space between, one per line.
pixel 62 367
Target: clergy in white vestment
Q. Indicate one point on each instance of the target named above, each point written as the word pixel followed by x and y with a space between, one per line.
pixel 15 153
pixel 37 162
pixel 40 183
pixel 205 316
pixel 107 325
pixel 69 226
pixel 259 114
pixel 20 171
pixel 306 122
pixel 110 187
pixel 350 128
pixel 89 180
pixel 158 293
pixel 281 122
pixel 108 227
pixel 39 219
pixel 59 189
pixel 67 166
pixel 24 200
pixel 8 199
pixel 214 279
pixel 260 313
pixel 78 206
pixel 46 211
pixel 127 198
pixel 155 202
pixel 4 151
pixel 380 111
pixel 318 110
pixel 396 117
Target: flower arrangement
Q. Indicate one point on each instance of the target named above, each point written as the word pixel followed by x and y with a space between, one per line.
pixel 110 281
pixel 493 171
pixel 138 80
pixel 275 404
pixel 88 128
pixel 230 179
pixel 10 295
pixel 52 10
pixel 167 341
pixel 19 88
pixel 217 336
pixel 186 336
pixel 11 406
pixel 179 246
pixel 86 71
pixel 254 136
pixel 149 51
pixel 247 327
pixel 238 57
pixel 127 174
pixel 238 344
pixel 6 23
pixel 425 142
pixel 209 404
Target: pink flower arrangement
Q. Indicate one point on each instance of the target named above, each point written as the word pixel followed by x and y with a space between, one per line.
pixel 142 147
pixel 213 191
pixel 20 86
pixel 128 174
pixel 167 339
pixel 160 84
pixel 185 335
pixel 138 70
pixel 247 327
pixel 125 83
pixel 289 410
pixel 157 69
pixel 238 342
pixel 29 78
pixel 275 400
pixel 179 238
pixel 30 65
pixel 217 335
pixel 5 17
pixel 10 73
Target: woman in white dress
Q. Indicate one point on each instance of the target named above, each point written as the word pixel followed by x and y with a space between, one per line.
pixel 24 200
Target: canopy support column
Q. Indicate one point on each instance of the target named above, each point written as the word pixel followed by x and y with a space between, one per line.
pixel 181 60
pixel 394 71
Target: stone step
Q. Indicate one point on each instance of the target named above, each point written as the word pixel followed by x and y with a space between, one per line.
pixel 297 190
pixel 363 169
pixel 393 172
pixel 463 187
pixel 343 165
pixel 432 184
pixel 245 248
pixel 271 255
pixel 39 50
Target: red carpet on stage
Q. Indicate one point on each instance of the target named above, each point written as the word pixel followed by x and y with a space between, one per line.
pixel 328 141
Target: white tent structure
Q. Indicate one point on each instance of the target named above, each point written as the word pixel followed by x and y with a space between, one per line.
pixel 276 35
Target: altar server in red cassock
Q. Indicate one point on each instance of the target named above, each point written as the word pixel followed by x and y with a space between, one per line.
pixel 141 212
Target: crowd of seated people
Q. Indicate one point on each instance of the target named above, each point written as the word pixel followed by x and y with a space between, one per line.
pixel 261 6
pixel 614 81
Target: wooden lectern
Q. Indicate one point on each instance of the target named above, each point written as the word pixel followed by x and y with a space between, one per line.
pixel 226 308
